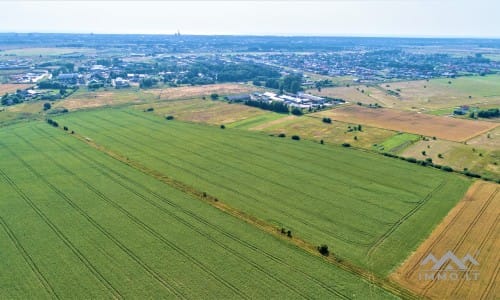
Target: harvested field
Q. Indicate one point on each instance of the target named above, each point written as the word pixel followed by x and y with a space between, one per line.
pixel 11 87
pixel 185 92
pixel 428 125
pixel 472 227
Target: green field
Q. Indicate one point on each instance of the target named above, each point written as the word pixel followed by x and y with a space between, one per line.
pixel 75 223
pixel 371 210
pixel 257 120
pixel 397 143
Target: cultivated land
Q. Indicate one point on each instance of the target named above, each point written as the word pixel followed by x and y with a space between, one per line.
pixel 472 227
pixel 76 223
pixel 428 125
pixel 369 209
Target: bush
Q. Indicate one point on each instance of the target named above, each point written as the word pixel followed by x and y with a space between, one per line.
pixel 296 137
pixel 149 109
pixel 411 159
pixel 65 128
pixel 447 168
pixel 223 126
pixel 321 142
pixel 470 174
pixel 46 106
pixel 327 120
pixel 346 145
pixel 169 117
pixel 289 233
pixel 428 159
pixel 297 111
pixel 214 96
pixel 323 249
pixel 281 135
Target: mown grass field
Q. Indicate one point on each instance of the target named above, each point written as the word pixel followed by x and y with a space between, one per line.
pixel 369 209
pixel 76 223
pixel 397 142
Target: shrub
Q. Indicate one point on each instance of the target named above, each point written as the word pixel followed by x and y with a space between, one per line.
pixel 65 128
pixel 321 142
pixel 281 135
pixel 297 111
pixel 46 106
pixel 327 120
pixel 411 159
pixel 296 137
pixel 214 96
pixel 289 233
pixel 223 126
pixel 323 249
pixel 428 159
pixel 447 168
pixel 169 117
pixel 150 109
pixel 346 145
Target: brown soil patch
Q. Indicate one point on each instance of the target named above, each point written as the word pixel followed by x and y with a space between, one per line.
pixel 442 127
pixel 11 87
pixel 472 227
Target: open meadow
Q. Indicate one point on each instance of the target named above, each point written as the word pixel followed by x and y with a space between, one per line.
pixel 442 127
pixel 312 127
pixel 369 209
pixel 76 223
pixel 473 228
pixel 204 111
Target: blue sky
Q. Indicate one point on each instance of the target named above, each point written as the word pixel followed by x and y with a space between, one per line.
pixel 426 18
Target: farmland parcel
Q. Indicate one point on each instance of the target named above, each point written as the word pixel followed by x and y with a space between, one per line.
pixel 442 127
pixel 75 223
pixel 364 206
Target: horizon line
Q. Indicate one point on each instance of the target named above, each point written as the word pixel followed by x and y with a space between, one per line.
pixel 291 35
